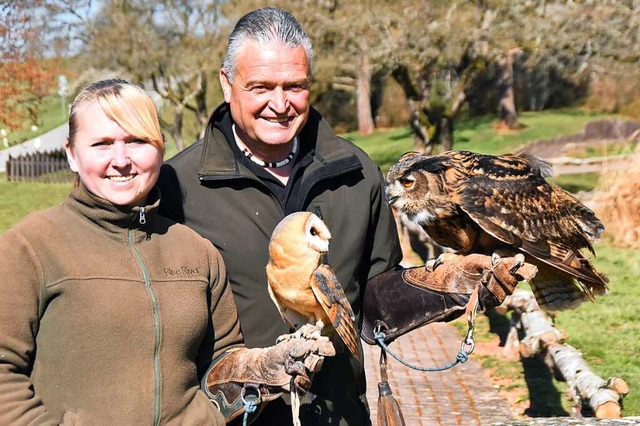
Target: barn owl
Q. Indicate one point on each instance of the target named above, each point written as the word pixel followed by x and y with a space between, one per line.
pixel 304 289
pixel 476 203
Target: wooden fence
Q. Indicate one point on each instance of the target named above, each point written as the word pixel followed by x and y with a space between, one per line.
pixel 39 167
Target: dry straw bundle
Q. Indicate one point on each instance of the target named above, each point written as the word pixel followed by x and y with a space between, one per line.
pixel 619 205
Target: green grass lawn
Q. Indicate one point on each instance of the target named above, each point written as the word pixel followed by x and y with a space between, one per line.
pixel 50 117
pixel 608 332
pixel 576 183
pixel 18 199
pixel 478 135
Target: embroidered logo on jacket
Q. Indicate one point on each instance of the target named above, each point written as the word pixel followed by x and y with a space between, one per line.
pixel 183 270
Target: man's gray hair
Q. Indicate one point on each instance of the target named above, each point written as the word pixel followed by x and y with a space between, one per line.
pixel 265 25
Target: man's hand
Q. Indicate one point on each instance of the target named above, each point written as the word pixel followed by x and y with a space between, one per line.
pixel 400 300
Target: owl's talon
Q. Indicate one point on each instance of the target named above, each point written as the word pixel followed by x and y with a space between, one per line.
pixel 517 263
pixel 432 264
pixel 317 332
pixel 494 259
pixel 283 338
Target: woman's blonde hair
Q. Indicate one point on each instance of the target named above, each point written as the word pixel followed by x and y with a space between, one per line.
pixel 126 104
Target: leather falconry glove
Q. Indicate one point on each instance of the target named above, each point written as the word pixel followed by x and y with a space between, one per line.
pixel 401 300
pixel 264 374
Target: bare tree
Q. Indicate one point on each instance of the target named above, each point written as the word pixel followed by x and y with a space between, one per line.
pixel 172 46
pixel 441 53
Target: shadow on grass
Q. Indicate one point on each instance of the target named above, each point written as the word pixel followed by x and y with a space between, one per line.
pixel 544 398
pixel 499 325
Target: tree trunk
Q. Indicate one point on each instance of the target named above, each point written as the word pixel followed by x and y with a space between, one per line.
pixel 446 133
pixel 420 136
pixel 508 114
pixel 201 103
pixel 363 93
pixel 178 117
pixel 603 396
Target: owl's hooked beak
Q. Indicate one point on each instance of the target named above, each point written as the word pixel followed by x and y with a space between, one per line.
pixel 391 199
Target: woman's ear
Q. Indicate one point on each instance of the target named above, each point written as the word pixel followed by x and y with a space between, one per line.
pixel 71 159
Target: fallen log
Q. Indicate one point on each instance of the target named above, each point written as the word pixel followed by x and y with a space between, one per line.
pixel 539 337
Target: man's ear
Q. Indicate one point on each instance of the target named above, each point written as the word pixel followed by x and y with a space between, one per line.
pixel 71 159
pixel 226 86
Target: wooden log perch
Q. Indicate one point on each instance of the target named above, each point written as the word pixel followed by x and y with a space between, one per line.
pixel 536 327
pixel 603 396
pixel 539 337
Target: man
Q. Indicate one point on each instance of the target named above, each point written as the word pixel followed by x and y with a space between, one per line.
pixel 266 154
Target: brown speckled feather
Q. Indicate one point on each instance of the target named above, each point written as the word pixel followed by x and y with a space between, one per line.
pixel 329 293
pixel 481 203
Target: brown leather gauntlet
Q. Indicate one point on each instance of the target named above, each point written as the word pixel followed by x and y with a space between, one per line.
pixel 401 300
pixel 263 374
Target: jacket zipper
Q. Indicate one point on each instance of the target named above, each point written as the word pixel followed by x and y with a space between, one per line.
pixel 156 321
pixel 143 215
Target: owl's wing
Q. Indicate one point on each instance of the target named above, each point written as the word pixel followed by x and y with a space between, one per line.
pixel 584 216
pixel 330 295
pixel 527 213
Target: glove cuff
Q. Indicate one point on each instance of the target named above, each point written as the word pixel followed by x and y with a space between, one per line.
pixel 401 300
pixel 232 380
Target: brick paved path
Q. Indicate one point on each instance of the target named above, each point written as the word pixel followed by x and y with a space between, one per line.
pixel 462 395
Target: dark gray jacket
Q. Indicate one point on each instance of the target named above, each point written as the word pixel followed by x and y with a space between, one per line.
pixel 206 188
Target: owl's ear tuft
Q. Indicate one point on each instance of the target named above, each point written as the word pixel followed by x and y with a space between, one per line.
pixel 408 155
pixel 429 164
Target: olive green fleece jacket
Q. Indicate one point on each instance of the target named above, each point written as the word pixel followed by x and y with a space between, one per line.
pixel 207 188
pixel 107 320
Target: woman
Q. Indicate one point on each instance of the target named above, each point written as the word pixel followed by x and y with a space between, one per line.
pixel 112 314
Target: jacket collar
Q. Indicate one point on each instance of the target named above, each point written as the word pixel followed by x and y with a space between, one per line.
pixel 218 159
pixel 112 218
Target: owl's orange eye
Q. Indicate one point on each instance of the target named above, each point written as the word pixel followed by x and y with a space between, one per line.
pixel 407 183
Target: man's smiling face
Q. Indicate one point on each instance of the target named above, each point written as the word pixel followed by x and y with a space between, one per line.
pixel 269 96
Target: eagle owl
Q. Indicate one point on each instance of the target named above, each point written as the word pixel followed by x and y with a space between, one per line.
pixel 304 289
pixel 476 203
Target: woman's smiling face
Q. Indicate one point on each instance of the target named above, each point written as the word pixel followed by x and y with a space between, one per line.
pixel 110 162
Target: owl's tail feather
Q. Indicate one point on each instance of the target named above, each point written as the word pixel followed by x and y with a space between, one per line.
pixel 557 296
pixel 349 338
pixel 557 291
